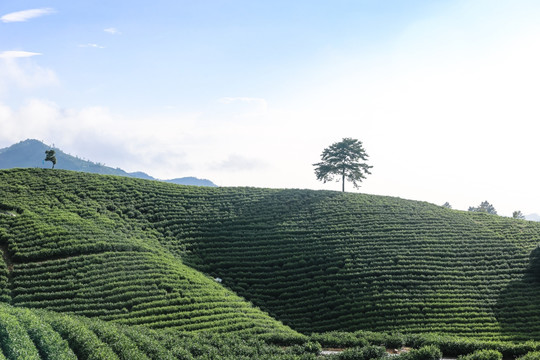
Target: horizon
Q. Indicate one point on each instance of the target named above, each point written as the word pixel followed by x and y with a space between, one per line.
pixel 532 216
pixel 442 95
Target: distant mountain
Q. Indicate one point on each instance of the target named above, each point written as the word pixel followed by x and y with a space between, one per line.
pixel 31 154
pixel 532 217
pixel 191 181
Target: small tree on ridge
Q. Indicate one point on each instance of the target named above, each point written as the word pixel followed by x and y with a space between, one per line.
pixel 50 155
pixel 484 207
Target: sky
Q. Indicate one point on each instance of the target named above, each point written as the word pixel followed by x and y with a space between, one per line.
pixel 443 94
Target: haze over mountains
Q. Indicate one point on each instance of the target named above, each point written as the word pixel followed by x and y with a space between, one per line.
pixel 30 153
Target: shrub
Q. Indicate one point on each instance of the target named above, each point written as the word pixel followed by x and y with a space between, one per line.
pixel 365 353
pixel 339 339
pixel 283 339
pixel 482 355
pixel 14 339
pixel 428 352
pixel 533 355
pixel 395 341
pixel 312 347
pixel 451 346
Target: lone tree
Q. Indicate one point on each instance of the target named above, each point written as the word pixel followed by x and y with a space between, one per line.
pixel 484 207
pixel 342 160
pixel 50 155
pixel 518 215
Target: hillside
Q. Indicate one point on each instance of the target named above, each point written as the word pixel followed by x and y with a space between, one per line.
pixel 31 154
pixel 43 335
pixel 70 253
pixel 134 252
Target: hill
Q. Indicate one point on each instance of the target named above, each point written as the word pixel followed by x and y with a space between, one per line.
pixel 31 154
pixel 532 217
pixel 132 251
pixel 67 251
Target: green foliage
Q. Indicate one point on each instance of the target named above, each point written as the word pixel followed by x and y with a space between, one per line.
pixel 533 355
pixel 124 250
pixel 484 207
pixel 84 342
pixel 342 159
pixel 121 344
pixel 364 353
pixel 453 346
pixel 483 355
pixel 534 264
pixel 48 342
pixel 38 334
pixel 312 347
pixel 50 155
pixel 427 352
pixel 339 339
pixel 395 341
pixel 14 340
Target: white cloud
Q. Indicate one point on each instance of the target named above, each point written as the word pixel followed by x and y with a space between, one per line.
pixel 17 73
pixel 112 30
pixel 164 146
pixel 96 134
pixel 11 54
pixel 25 15
pixel 239 110
pixel 237 162
pixel 91 45
pixel 262 104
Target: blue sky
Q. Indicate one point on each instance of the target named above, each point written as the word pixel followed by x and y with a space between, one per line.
pixel 443 94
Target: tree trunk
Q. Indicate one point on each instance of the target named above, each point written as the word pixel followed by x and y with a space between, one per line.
pixel 343 183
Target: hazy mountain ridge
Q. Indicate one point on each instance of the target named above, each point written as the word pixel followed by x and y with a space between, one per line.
pixel 30 153
pixel 532 217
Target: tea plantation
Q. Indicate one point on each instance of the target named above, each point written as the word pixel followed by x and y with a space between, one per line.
pixel 110 254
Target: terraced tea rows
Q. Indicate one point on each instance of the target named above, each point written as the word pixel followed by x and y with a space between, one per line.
pixel 134 288
pixel 322 261
pixel 315 260
pixel 35 335
pixel 73 259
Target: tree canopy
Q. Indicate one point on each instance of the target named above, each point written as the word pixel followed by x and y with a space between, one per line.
pixel 484 207
pixel 343 160
pixel 50 155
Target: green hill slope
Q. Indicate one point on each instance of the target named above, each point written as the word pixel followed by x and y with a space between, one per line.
pixel 68 253
pixel 118 249
pixel 41 335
